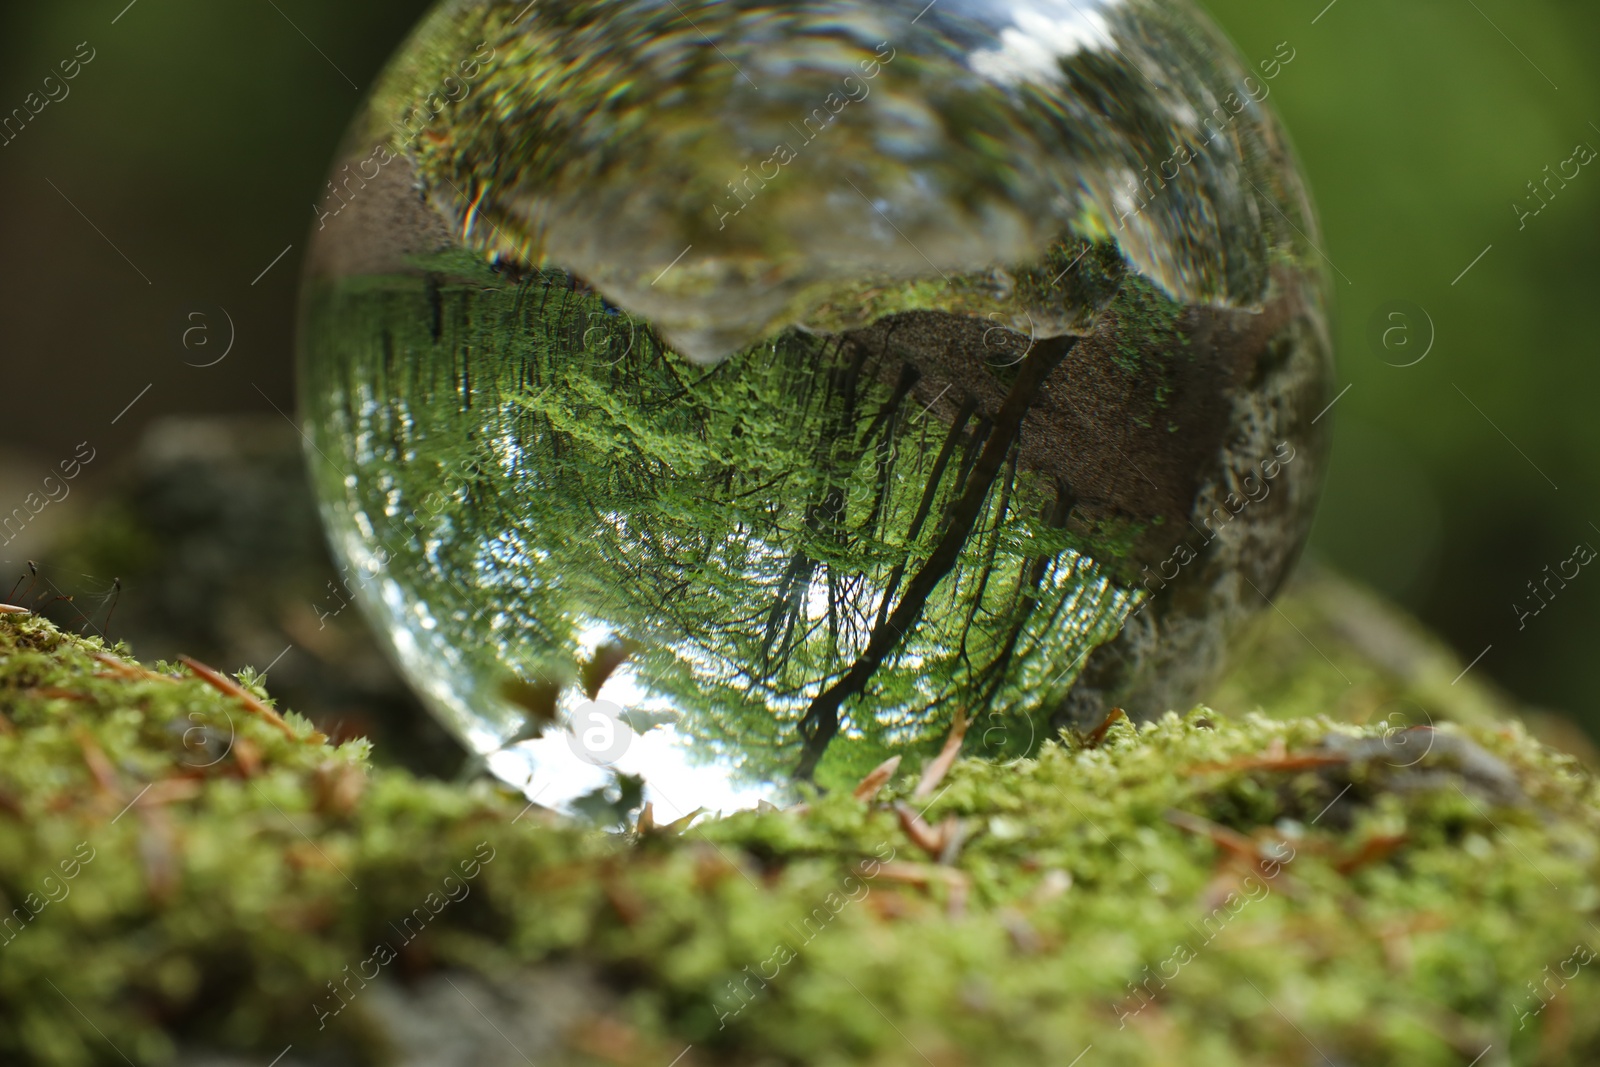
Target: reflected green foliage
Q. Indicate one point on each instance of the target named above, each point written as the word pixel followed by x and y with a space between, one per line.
pixel 778 540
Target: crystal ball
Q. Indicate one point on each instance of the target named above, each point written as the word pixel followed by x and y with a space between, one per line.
pixel 707 398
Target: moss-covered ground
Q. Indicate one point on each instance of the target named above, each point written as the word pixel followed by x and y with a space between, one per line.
pixel 180 869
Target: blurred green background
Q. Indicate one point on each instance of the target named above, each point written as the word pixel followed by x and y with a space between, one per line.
pixel 191 148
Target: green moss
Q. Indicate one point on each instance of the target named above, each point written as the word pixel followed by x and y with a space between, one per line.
pixel 1146 337
pixel 1145 316
pixel 235 868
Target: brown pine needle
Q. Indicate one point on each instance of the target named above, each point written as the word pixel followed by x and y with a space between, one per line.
pixel 926 874
pixel 1230 841
pixel 876 779
pixel 223 683
pixel 626 901
pixel 934 773
pixel 246 757
pixel 953 832
pixel 170 791
pixel 1372 850
pixel 158 850
pixel 918 873
pixel 55 692
pixel 131 671
pixel 922 835
pixel 1099 733
pixel 1304 761
pixel 100 768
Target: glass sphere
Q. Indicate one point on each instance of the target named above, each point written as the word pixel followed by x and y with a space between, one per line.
pixel 728 395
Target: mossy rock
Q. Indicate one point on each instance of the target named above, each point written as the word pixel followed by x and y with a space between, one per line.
pixel 192 880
